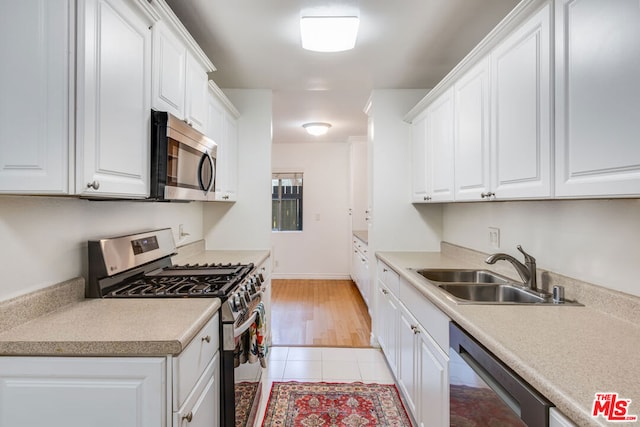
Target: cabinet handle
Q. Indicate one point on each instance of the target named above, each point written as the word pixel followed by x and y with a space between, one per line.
pixel 188 417
pixel 207 339
pixel 95 185
pixel 384 270
pixel 225 197
pixel 415 329
pixel 487 194
pixel 384 291
pixel 427 198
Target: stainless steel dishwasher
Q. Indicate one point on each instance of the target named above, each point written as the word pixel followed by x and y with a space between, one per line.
pixel 484 391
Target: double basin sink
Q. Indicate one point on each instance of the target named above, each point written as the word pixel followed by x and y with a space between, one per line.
pixel 482 287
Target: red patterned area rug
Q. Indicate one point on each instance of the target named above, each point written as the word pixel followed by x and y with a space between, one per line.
pixel 298 404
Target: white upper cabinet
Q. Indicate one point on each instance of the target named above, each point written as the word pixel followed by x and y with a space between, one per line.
pixel 36 96
pixel 419 160
pixel 597 98
pixel 222 127
pixel 521 111
pixel 472 147
pixel 439 149
pixel 432 150
pixel 113 99
pixel 179 72
pixel 169 68
pixel 196 94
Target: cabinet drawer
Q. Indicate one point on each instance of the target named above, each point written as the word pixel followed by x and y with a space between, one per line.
pixel 202 407
pixel 389 277
pixel 434 321
pixel 191 363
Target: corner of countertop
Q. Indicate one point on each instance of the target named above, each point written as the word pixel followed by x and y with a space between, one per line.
pixel 24 308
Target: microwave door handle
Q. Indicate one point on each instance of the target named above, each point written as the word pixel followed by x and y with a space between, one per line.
pixel 206 158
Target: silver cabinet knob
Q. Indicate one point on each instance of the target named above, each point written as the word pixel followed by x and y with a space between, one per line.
pixel 95 185
pixel 488 194
pixel 207 338
pixel 427 198
pixel 188 417
pixel 384 291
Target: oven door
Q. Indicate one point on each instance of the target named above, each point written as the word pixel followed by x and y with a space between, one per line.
pixel 477 379
pixel 241 380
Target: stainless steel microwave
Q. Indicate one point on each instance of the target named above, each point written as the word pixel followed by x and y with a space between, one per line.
pixel 183 160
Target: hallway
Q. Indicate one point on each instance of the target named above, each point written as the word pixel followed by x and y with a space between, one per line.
pixel 319 313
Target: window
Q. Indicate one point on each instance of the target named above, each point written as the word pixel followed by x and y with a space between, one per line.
pixel 286 202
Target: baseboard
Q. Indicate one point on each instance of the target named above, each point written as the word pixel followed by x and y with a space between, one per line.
pixel 312 276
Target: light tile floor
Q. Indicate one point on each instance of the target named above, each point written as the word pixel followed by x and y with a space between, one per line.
pixel 326 364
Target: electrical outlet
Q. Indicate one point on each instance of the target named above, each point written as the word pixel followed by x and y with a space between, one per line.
pixel 494 237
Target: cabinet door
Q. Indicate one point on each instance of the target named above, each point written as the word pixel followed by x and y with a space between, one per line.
pixel 408 356
pixel 472 145
pixel 202 409
pixel 169 67
pixel 230 158
pixel 433 382
pixel 196 94
pixel 419 160
pixel 440 168
pixel 597 98
pixel 521 110
pixel 36 93
pixel 80 392
pixel 388 327
pixel 114 99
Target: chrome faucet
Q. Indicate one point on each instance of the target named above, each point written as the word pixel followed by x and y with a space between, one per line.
pixel 527 271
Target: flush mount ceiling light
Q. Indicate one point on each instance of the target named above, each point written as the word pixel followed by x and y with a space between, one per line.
pixel 316 128
pixel 329 33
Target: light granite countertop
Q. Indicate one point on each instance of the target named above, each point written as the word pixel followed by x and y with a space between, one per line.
pixel 59 321
pixel 568 353
pixel 112 327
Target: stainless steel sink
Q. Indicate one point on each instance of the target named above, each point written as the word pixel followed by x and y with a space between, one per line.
pixel 494 294
pixel 463 276
pixel 482 287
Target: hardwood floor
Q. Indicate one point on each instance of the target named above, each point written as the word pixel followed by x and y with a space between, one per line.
pixel 325 313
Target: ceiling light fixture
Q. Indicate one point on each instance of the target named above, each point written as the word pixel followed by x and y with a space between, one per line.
pixel 329 33
pixel 316 128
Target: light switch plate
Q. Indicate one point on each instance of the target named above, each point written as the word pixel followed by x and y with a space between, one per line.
pixel 494 237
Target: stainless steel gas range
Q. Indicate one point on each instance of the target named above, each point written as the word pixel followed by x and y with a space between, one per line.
pixel 139 266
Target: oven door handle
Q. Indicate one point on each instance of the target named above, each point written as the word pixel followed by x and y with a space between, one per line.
pixel 246 325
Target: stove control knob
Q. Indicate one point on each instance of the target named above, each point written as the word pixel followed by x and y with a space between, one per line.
pixel 242 302
pixel 252 288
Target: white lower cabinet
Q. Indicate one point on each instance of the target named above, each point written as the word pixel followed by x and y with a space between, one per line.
pixel 80 392
pixel 360 270
pixel 413 335
pixel 388 320
pixel 115 391
pixel 433 382
pixel 202 407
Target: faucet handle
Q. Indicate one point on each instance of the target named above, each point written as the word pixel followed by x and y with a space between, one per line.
pixel 527 257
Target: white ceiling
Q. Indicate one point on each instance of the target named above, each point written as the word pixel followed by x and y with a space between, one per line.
pixel 402 44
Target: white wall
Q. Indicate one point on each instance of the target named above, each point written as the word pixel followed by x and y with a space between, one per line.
pixel 597 241
pixel 43 240
pixel 245 224
pixel 397 224
pixel 322 249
